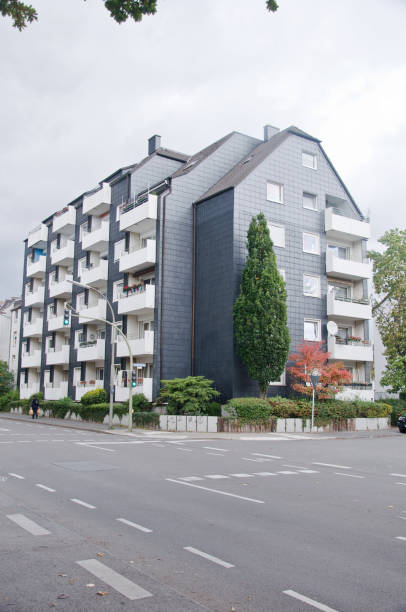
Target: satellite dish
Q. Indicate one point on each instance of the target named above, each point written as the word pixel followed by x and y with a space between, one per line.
pixel 332 328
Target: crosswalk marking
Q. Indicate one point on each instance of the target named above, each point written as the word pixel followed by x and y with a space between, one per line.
pixel 120 583
pixel 26 523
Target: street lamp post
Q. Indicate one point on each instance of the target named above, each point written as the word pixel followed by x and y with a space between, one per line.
pixel 315 377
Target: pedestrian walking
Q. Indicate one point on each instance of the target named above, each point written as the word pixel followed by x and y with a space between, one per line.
pixel 35 407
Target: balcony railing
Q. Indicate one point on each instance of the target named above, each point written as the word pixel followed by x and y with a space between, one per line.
pixel 139 216
pixel 340 224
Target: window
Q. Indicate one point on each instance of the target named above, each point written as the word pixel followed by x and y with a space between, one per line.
pixel 119 248
pixel 274 192
pixel 311 243
pixel 311 285
pixel 277 233
pixel 281 382
pixel 312 330
pixel 341 292
pixel 310 201
pixel 309 160
pixel 99 373
pixel 339 251
pixel 282 273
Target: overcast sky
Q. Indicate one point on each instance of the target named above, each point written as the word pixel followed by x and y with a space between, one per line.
pixel 80 95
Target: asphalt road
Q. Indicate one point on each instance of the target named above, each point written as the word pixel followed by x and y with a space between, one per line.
pixel 90 521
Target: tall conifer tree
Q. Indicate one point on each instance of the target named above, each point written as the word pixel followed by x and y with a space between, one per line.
pixel 260 312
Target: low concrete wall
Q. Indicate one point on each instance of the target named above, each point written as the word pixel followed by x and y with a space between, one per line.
pixel 201 423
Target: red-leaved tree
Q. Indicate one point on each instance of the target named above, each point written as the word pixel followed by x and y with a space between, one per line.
pixel 309 357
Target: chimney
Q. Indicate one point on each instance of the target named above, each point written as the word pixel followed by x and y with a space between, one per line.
pixel 153 143
pixel 269 131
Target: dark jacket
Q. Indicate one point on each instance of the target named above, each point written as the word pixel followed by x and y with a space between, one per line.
pixel 35 403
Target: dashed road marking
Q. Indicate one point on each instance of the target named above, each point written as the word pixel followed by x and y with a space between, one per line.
pixel 216 476
pixel 41 486
pixel 135 525
pixel 191 478
pixel 341 467
pixel 398 475
pixel 200 553
pixel 223 450
pixel 16 476
pixel 189 484
pixel 82 503
pixel 242 475
pixel 263 455
pixel 216 454
pixel 402 483
pixel 310 602
pixel 348 475
pixel 400 538
pixel 264 474
pixel 114 579
pixel 27 524
pixel 286 472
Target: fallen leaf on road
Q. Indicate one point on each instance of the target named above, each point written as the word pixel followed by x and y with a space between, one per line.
pixel 63 575
pixel 100 554
pixel 102 593
pixel 390 507
pixel 62 596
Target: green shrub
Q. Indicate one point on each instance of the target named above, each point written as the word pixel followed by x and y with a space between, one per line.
pixel 6 399
pixel 249 409
pixel 96 396
pixel 190 395
pixel 147 420
pixel 214 409
pixel 282 407
pixel 140 403
pixel 398 407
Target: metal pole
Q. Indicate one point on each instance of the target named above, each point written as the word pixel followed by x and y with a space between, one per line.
pixel 312 410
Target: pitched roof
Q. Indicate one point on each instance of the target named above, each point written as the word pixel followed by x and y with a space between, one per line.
pixel 196 159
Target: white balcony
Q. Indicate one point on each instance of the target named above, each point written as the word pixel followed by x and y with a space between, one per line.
pixel 347 268
pixel 33 329
pixel 64 255
pixel 139 346
pixel 139 303
pixel 55 323
pixel 97 239
pixel 358 310
pixel 26 389
pixel 81 389
pixel 95 276
pixel 349 351
pixel 38 237
pixel 91 350
pixel 144 386
pixel 64 221
pixel 61 288
pixel 139 259
pixel 56 391
pixel 58 356
pixel 31 359
pixel 139 218
pixel 36 269
pixel 98 202
pixel 340 227
pixel 34 298
pixel 87 314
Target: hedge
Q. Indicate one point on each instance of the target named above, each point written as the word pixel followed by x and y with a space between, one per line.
pixel 249 409
pixel 147 420
pixel 95 396
pixel 398 408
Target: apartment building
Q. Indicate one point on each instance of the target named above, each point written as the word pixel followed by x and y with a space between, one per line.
pixel 164 241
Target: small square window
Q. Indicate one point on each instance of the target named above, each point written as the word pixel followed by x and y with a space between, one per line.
pixel 309 160
pixel 312 330
pixel 274 192
pixel 311 243
pixel 311 285
pixel 310 201
pixel 277 234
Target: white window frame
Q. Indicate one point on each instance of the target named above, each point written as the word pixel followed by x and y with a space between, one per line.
pixel 305 156
pixel 119 248
pixel 308 320
pixel 313 196
pixel 318 238
pixel 282 273
pixel 318 293
pixel 279 186
pixel 281 227
pixel 281 382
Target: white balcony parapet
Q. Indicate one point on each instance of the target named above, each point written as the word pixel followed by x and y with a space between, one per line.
pixel 64 221
pixel 140 218
pixel 56 391
pixel 36 269
pixel 95 276
pixel 139 346
pixel 81 389
pixel 27 389
pixel 31 359
pixel 91 350
pixel 341 227
pixel 61 288
pixel 58 356
pixel 64 255
pixel 34 298
pixel 349 350
pixel 348 308
pixel 140 302
pixel 34 328
pixel 98 202
pixel 38 236
pixel 144 386
pixel 97 239
pixel 347 268
pixel 139 259
pixel 55 323
pixel 92 313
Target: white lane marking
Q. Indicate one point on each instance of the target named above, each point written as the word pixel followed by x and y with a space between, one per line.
pixel 255 460
pixel 158 445
pixel 189 484
pixel 41 440
pixel 58 440
pixel 114 580
pixel 196 551
pixel 310 602
pixel 264 474
pixel 135 525
pixel 216 454
pixel 24 441
pixel 223 450
pixel 298 467
pixel 16 476
pixel 348 475
pixel 82 503
pixel 188 450
pixel 286 472
pixel 191 478
pixel 402 517
pixel 402 483
pixel 262 455
pixel 242 475
pixel 216 476
pixel 400 538
pixel 4 429
pixel 9 442
pixel 109 450
pixel 341 467
pixel 45 488
pixel 27 524
pixel 312 472
pixel 398 475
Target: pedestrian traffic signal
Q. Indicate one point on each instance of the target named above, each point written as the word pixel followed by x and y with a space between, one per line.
pixel 133 378
pixel 66 317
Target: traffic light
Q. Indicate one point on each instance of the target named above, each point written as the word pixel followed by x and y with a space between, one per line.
pixel 133 378
pixel 66 317
pixel 124 377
